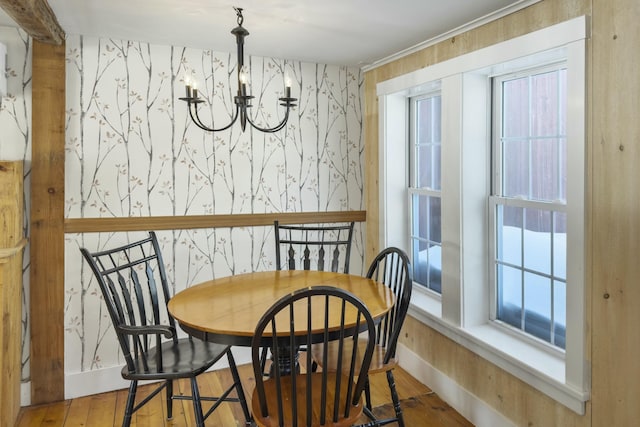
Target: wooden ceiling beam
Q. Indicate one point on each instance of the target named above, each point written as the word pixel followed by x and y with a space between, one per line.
pixel 36 18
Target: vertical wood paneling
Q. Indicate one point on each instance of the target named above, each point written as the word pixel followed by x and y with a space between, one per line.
pixel 11 244
pixel 615 212
pixel 508 395
pixel 47 224
pixel 372 170
pixel 11 203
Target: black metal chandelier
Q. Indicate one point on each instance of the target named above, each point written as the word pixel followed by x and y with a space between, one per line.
pixel 242 99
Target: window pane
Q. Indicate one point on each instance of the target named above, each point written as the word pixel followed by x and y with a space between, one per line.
pixel 537 241
pixel 426 214
pixel 560 245
pixel 546 104
pixel 509 235
pixel 427 142
pixel 428 123
pixel 547 169
pixel 428 166
pixel 427 265
pixel 515 101
pixel 509 295
pixel 515 168
pixel 537 306
pixel 427 241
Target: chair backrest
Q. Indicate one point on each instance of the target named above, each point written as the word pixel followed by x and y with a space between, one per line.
pixel 134 286
pixel 323 248
pixel 392 267
pixel 301 319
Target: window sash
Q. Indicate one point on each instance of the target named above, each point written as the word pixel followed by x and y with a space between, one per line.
pixel 424 189
pixel 505 135
pixel 538 318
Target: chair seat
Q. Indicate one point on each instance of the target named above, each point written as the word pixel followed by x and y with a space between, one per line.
pixel 377 361
pixel 185 359
pixel 301 380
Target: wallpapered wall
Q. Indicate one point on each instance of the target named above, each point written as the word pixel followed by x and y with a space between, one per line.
pixel 132 151
pixel 15 141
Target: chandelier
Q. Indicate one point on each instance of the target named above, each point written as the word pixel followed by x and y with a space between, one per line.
pixel 242 99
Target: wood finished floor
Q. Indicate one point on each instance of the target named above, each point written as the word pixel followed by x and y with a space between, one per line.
pixel 421 407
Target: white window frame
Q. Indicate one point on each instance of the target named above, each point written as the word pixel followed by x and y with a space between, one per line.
pixel 462 313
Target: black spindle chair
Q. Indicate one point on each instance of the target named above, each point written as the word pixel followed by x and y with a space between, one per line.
pixel 309 247
pixel 323 248
pixel 310 399
pixel 391 267
pixel 133 282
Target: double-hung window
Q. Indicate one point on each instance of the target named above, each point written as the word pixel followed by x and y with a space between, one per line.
pixel 482 161
pixel 528 202
pixel 425 188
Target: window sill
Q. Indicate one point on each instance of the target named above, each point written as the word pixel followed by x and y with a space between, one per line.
pixel 540 368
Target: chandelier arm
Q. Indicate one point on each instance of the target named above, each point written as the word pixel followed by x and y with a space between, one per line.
pixel 276 128
pixel 196 119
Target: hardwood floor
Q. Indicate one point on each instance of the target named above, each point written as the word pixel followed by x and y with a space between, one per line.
pixel 421 407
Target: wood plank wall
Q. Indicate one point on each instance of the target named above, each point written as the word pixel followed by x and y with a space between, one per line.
pixel 11 244
pixel 613 217
pixel 615 212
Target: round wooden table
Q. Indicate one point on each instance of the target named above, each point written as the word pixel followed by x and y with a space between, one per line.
pixel 227 310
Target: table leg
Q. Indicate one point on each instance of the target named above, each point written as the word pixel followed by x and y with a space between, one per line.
pixel 284 361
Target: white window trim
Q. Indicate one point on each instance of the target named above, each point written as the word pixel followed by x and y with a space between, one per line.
pixel 465 135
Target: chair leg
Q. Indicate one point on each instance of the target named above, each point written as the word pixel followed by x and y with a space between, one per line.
pixel 367 395
pixel 131 399
pixel 197 404
pixel 394 397
pixel 238 386
pixel 169 391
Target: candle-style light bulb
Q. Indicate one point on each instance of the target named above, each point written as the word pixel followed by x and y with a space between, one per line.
pixel 244 79
pixel 287 86
pixel 195 88
pixel 187 84
pixel 244 75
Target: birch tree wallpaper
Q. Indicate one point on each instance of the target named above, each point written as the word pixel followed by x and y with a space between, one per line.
pixel 15 144
pixel 133 151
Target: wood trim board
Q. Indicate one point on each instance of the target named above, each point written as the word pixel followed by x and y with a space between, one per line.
pixel 97 225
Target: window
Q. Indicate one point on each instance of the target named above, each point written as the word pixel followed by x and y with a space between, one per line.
pixel 528 204
pixel 494 145
pixel 424 190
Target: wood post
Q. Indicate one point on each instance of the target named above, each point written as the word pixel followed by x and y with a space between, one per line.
pixel 47 224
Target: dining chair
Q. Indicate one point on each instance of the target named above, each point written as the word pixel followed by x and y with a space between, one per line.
pixel 391 267
pixel 328 246
pixel 323 248
pixel 134 285
pixel 303 397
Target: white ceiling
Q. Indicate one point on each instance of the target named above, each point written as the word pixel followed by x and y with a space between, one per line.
pixel 344 32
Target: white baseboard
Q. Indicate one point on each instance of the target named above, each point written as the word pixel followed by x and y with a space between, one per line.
pixel 466 404
pixel 80 384
pixel 25 393
pixel 92 382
